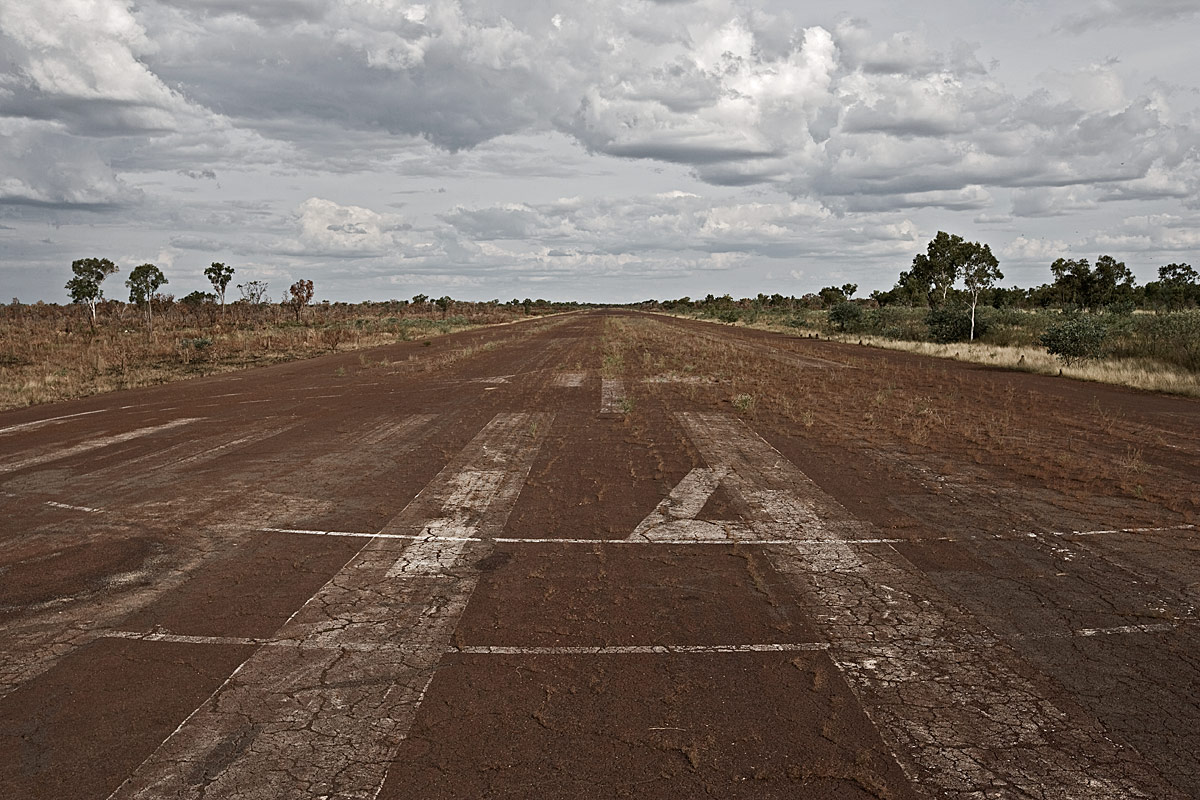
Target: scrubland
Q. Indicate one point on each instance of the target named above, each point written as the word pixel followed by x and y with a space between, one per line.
pixel 1157 352
pixel 50 352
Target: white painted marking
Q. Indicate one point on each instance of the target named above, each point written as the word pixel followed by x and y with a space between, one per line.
pixel 897 638
pixel 652 649
pixel 570 380
pixel 326 716
pixel 213 452
pixel 1157 627
pixel 92 444
pixel 249 402
pixel 28 426
pixel 428 537
pixel 65 506
pixel 612 396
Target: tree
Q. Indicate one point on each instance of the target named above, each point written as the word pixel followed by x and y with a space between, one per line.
pixel 1111 286
pixel 199 302
pixel 219 276
pixel 1178 285
pixel 980 271
pixel 847 316
pixel 940 264
pixel 1079 337
pixel 254 292
pixel 85 286
pixel 143 282
pixel 832 295
pixel 444 302
pixel 300 294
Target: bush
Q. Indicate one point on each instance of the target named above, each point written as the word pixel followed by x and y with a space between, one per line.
pixel 953 324
pixel 1174 338
pixel 846 316
pixel 1076 338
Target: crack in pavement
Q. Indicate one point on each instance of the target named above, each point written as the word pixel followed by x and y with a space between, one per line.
pixel 955 703
pixel 329 713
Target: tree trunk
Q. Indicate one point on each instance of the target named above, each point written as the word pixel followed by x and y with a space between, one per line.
pixel 974 302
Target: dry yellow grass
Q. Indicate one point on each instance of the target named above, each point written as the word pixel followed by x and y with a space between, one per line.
pixel 48 353
pixel 1143 374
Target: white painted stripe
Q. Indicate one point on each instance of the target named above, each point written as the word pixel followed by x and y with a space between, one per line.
pixel 329 713
pixel 897 638
pixel 28 426
pixel 863 542
pixel 213 452
pixel 75 508
pixel 570 380
pixel 1156 627
pixel 651 649
pixel 612 396
pixel 92 444
pixel 429 537
pixel 663 649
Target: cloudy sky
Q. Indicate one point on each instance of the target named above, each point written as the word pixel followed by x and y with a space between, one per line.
pixel 637 148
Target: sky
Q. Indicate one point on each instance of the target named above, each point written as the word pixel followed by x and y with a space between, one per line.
pixel 606 152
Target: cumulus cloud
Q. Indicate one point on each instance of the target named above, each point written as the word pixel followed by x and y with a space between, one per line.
pixel 326 228
pixel 798 134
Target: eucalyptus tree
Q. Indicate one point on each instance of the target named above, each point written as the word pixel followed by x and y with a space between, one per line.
pixel 85 286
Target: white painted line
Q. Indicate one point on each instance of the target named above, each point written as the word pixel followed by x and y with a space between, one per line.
pixel 612 396
pixel 67 507
pixel 213 452
pixel 28 426
pixel 570 380
pixel 949 697
pixel 432 537
pixel 744 530
pixel 330 712
pixel 92 444
pixel 652 649
pixel 1122 530
pixel 393 428
pixel 1157 627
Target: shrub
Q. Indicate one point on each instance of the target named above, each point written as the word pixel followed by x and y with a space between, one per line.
pixel 953 324
pixel 846 316
pixel 1175 338
pixel 1076 338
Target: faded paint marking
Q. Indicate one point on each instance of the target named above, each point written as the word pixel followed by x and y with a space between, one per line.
pixel 92 444
pixel 28 426
pixel 950 698
pixel 570 380
pixel 67 507
pixel 651 649
pixel 331 709
pixel 612 396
